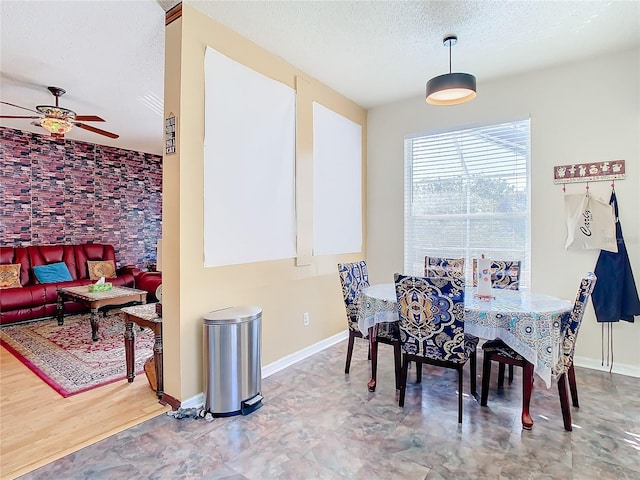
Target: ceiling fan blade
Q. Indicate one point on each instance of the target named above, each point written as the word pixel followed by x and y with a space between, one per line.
pixel 89 118
pixel 17 116
pixel 96 130
pixel 18 106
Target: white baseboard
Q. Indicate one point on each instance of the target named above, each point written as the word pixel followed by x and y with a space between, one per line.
pixel 289 360
pixel 620 368
pixel 197 401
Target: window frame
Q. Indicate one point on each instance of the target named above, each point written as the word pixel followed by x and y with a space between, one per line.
pixel 520 147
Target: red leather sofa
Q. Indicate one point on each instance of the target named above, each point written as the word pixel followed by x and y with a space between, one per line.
pixel 39 300
pixel 149 281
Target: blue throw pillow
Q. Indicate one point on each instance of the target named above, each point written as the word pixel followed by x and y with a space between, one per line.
pixel 52 273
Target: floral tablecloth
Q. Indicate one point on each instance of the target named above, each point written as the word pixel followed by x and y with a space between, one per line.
pixel 530 323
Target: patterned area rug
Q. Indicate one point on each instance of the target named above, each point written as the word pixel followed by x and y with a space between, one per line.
pixel 67 359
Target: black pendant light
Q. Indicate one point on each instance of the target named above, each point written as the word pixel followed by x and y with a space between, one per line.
pixel 451 88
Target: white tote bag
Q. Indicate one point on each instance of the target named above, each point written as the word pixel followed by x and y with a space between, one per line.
pixel 591 223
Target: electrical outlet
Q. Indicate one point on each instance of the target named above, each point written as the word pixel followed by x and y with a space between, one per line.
pixel 305 319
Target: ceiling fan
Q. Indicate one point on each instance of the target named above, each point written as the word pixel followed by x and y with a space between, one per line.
pixel 58 120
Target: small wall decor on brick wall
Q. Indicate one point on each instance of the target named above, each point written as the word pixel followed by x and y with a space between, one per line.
pixel 69 192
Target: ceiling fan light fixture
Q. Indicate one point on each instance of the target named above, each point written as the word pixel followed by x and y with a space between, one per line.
pixel 58 120
pixel 56 112
pixel 451 88
pixel 56 126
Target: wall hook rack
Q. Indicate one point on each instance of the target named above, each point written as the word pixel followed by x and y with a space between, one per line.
pixel 589 172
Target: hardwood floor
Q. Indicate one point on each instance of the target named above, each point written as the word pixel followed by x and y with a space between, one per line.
pixel 38 426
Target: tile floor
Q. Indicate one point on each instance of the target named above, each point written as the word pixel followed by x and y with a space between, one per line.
pixel 318 423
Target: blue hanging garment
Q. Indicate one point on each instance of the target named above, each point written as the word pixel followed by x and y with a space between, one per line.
pixel 615 296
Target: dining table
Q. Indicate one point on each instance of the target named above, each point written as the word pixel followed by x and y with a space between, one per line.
pixel 528 322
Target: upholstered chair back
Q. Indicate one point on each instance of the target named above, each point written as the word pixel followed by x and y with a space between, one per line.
pixel 570 329
pixel 504 274
pixel 443 267
pixel 353 277
pixel 452 268
pixel 431 314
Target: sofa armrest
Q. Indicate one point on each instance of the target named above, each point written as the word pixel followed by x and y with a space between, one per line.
pixel 149 281
pixel 132 269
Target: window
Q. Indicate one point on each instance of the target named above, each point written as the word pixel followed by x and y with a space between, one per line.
pixel 467 193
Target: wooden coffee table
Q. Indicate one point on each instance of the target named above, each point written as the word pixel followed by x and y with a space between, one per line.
pixel 144 316
pixel 117 296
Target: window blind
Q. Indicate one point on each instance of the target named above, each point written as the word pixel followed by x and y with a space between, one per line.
pixel 467 193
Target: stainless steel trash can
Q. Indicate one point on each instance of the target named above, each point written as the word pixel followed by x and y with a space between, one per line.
pixel 232 369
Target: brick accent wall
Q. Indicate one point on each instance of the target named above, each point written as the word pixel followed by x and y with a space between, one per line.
pixel 55 191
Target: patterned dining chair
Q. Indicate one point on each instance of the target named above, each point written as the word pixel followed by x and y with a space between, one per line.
pixel 452 268
pixel 504 274
pixel 498 351
pixel 443 267
pixel 353 278
pixel 431 313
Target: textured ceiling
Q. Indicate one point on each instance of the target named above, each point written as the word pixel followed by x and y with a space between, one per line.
pixel 109 55
pixel 379 52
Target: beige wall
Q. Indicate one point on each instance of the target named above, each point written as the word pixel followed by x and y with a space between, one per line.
pixel 580 112
pixel 283 289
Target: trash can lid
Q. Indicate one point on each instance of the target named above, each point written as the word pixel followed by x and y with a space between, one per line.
pixel 228 315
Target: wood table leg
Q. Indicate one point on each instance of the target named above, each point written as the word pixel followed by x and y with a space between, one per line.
pixel 95 320
pixel 60 310
pixel 129 350
pixel 157 354
pixel 374 358
pixel 527 388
